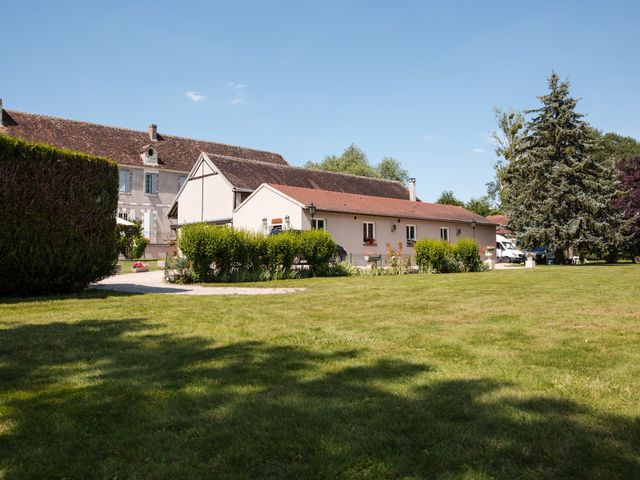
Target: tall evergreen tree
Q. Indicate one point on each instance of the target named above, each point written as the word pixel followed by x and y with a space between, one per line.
pixel 558 191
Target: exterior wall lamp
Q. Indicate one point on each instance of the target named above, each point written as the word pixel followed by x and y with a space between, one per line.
pixel 312 210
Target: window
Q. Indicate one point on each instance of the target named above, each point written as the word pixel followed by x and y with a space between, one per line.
pixel 125 181
pixel 444 234
pixel 369 233
pixel 151 183
pixel 181 180
pixel 411 234
pixel 319 224
pixel 123 215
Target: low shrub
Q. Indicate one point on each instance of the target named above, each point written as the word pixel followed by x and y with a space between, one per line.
pixel 434 256
pixel 318 248
pixel 200 243
pixel 58 218
pixel 281 251
pixel 467 252
pixel 131 243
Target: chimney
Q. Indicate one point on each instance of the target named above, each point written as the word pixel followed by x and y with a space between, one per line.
pixel 1 114
pixel 153 132
pixel 412 189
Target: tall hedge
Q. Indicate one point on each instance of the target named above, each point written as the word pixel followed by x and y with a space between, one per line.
pixel 229 254
pixel 467 252
pixel 318 248
pixel 58 208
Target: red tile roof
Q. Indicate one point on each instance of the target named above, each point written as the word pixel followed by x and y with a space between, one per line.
pixel 499 219
pixel 121 144
pixel 502 222
pixel 249 175
pixel 384 207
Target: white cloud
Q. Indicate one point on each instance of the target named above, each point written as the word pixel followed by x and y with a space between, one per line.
pixel 477 150
pixel 195 97
pixel 236 86
pixel 239 93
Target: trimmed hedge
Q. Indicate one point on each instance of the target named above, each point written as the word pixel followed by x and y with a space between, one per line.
pixel 467 252
pixel 227 254
pixel 433 255
pixel 318 248
pixel 439 256
pixel 59 218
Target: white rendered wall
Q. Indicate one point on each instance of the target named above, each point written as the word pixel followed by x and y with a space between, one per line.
pixel 266 203
pixel 207 197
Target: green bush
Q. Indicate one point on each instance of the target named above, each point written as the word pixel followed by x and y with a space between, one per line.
pixel 434 256
pixel 138 246
pixel 131 243
pixel 226 254
pixel 200 243
pixel 318 248
pixel 468 253
pixel 59 218
pixel 281 251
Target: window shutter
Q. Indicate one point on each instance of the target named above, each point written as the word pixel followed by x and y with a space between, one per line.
pixel 129 181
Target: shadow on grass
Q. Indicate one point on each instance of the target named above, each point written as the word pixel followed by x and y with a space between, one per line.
pixel 122 399
pixel 86 294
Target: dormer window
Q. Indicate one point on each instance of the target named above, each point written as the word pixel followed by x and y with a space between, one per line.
pixel 149 156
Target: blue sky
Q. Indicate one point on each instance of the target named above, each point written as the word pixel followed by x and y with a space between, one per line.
pixel 413 80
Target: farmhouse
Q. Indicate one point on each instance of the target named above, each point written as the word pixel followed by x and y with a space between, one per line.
pixel 152 165
pixel 362 224
pixel 362 214
pixel 217 184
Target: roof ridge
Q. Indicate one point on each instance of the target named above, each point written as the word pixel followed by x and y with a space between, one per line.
pixel 420 202
pixel 144 132
pixel 308 169
pixel 416 203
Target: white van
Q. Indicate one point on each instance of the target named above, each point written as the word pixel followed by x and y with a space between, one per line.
pixel 506 251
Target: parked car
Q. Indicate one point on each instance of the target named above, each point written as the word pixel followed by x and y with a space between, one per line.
pixel 539 254
pixel 507 252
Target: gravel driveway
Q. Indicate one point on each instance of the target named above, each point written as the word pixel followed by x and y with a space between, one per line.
pixel 151 282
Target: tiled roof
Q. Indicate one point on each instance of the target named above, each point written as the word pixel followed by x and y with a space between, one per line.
pixel 385 207
pixel 499 219
pixel 502 221
pixel 249 175
pixel 120 144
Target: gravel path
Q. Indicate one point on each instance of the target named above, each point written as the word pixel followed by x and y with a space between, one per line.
pixel 151 282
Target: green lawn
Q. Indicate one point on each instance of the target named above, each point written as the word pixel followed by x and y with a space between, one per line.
pixel 513 375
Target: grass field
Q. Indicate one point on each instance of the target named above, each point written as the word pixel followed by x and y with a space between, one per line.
pixel 511 375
